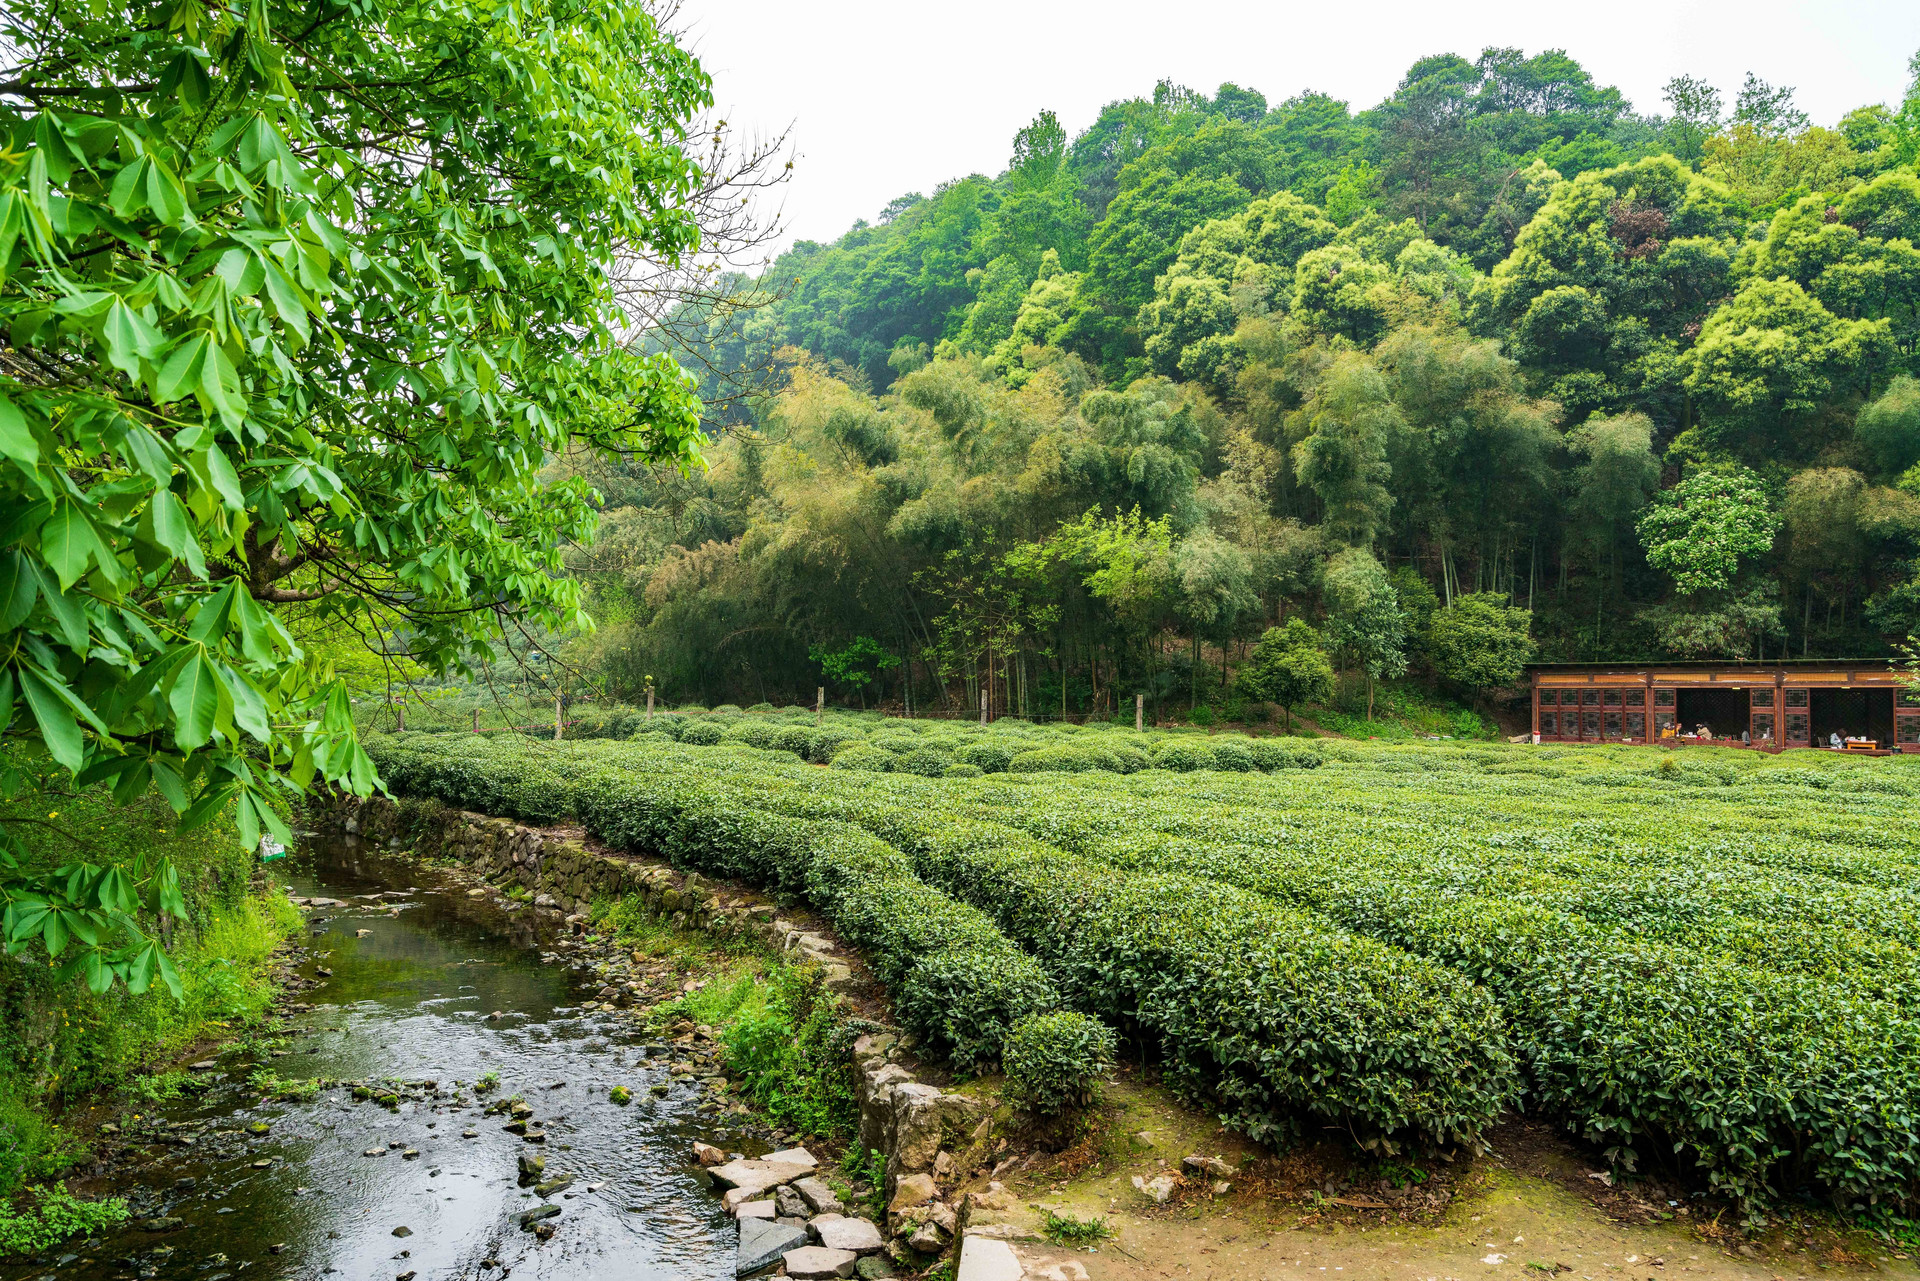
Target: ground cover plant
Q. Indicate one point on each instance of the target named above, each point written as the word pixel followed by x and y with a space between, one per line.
pixel 1704 962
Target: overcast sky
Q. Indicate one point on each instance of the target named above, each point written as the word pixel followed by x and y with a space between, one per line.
pixel 886 97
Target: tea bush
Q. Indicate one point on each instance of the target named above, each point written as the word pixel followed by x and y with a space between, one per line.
pixel 1055 1061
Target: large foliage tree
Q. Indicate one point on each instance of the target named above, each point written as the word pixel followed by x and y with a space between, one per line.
pixel 301 297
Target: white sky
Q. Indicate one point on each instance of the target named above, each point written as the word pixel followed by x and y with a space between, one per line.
pixel 891 96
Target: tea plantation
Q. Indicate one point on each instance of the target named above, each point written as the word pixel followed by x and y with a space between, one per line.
pixel 1705 960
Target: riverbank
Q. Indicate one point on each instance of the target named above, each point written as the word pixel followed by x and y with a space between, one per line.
pixel 64 1049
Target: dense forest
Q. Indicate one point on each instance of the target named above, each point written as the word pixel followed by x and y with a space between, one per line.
pixel 1500 367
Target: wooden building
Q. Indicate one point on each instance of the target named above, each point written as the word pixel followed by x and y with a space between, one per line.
pixel 1771 706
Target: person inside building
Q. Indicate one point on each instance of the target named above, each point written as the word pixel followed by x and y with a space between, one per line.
pixel 1835 741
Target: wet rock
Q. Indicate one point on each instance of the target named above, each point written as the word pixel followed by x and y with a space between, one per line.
pixel 374 1152
pixel 838 1232
pixel 538 1213
pixel 552 1186
pixel 258 1127
pixel 204 1065
pixel 411 1154
pixel 403 1231
pixel 160 1223
pixel 469 1134
pixel 873 1268
pixel 363 934
pixel 762 1242
pixel 531 1168
pixel 814 1262
pixel 748 1179
pixel 535 1136
pixel 819 1196
pixel 755 1210
pixel 708 1155
pixel 263 1163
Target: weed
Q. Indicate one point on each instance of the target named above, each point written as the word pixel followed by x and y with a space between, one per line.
pixel 52 1215
pixel 488 1081
pixel 1068 1230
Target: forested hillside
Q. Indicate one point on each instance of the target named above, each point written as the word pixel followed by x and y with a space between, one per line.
pixel 1498 367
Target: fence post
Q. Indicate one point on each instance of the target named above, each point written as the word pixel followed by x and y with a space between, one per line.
pixel 400 718
pixel 649 704
pixel 476 720
pixel 983 705
pixel 820 705
pixel 556 718
pixel 1139 712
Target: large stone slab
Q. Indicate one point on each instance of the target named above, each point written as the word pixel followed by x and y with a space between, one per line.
pixel 819 1196
pixel 762 1242
pixel 817 1263
pixel 761 1175
pixel 838 1232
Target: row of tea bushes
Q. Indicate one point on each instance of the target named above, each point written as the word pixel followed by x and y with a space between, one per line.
pixel 1269 1014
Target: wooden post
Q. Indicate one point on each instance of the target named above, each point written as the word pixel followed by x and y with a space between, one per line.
pixel 476 720
pixel 1139 712
pixel 649 704
pixel 400 717
pixel 1536 707
pixel 983 705
pixel 556 718
pixel 820 705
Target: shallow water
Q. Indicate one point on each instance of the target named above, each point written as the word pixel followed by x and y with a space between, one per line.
pixel 411 1000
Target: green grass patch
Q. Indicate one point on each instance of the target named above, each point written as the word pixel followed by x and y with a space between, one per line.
pixel 46 1216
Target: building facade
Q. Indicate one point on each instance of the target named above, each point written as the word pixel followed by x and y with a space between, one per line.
pixel 1767 706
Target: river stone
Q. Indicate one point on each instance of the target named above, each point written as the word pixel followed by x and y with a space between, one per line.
pixel 838 1232
pixel 538 1213
pixel 552 1186
pixel 403 1231
pixel 762 1242
pixel 791 1204
pixel 819 1196
pixel 168 1222
pixel 708 1155
pixel 873 1268
pixel 755 1210
pixel 817 1262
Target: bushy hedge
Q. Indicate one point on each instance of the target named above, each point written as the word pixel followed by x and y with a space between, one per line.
pixel 1054 1061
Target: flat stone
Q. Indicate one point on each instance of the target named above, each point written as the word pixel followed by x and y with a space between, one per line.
pixel 708 1155
pixel 791 1204
pixel 912 1190
pixel 815 1263
pixel 986 1259
pixel 819 1196
pixel 762 1242
pixel 1208 1165
pixel 538 1213
pixel 873 1268
pixel 754 1210
pixel 204 1065
pixel 754 1177
pixel 838 1232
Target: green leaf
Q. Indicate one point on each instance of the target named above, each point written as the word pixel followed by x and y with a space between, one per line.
pixel 69 615
pixel 185 369
pixel 194 695
pixel 130 341
pixel 16 438
pixel 68 543
pixel 166 525
pixel 59 728
pixel 19 586
pixel 168 974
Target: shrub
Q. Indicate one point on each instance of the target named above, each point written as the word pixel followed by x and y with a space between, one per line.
pixel 828 738
pixel 989 755
pixel 1065 759
pixel 1183 755
pixel 797 739
pixel 960 769
pixel 930 762
pixel 703 733
pixel 753 733
pixel 863 756
pixel 1131 760
pixel 672 724
pixel 1055 1061
pixel 690 709
pixel 726 709
pixel 761 707
pixel 1234 754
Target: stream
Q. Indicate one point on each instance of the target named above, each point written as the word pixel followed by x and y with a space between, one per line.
pixel 433 987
